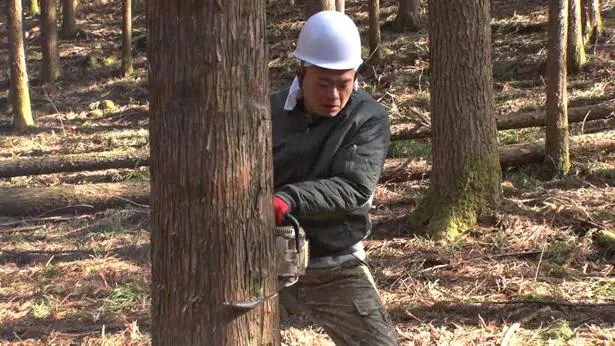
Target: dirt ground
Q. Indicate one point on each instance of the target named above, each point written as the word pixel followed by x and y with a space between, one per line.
pixel 530 273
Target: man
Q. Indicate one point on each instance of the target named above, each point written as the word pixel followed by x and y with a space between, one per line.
pixel 329 145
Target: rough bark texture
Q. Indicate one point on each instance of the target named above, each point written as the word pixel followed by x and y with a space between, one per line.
pixel 20 94
pixel 374 30
pixel 399 170
pixel 49 41
pixel 466 171
pixel 73 163
pixel 515 120
pixel 340 5
pixel 576 46
pixel 69 24
pixel 320 5
pixel 557 142
pixel 127 37
pixel 408 17
pixel 65 199
pixel 34 7
pixel 212 211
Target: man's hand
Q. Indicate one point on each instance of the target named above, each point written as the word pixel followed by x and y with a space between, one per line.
pixel 280 208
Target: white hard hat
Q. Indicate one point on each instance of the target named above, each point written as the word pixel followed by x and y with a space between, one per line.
pixel 331 40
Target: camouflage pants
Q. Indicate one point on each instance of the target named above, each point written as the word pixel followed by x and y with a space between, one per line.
pixel 345 302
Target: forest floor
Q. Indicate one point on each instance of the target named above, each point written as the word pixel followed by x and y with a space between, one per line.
pixel 530 272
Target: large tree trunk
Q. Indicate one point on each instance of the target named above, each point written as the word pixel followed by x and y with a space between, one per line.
pixel 69 25
pixel 515 120
pixel 466 170
pixel 126 37
pixel 408 17
pixel 20 94
pixel 576 46
pixel 49 41
pixel 374 29
pixel 315 6
pixel 211 165
pixel 557 142
pixel 340 5
pixel 73 163
pixel 34 7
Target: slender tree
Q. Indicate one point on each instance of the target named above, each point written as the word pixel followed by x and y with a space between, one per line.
pixel 593 27
pixel 321 5
pixel 340 5
pixel 127 37
pixel 557 141
pixel 466 172
pixel 408 17
pixel 20 95
pixel 576 47
pixel 212 181
pixel 49 41
pixel 374 29
pixel 34 7
pixel 69 23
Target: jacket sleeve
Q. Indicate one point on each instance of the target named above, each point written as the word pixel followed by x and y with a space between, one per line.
pixel 355 170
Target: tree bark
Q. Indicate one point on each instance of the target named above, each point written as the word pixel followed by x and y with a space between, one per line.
pixel 399 170
pixel 63 199
pixel 316 6
pixel 374 30
pixel 73 163
pixel 49 41
pixel 20 94
pixel 34 7
pixel 557 142
pixel 340 5
pixel 408 16
pixel 126 38
pixel 466 170
pixel 515 120
pixel 69 24
pixel 576 46
pixel 212 216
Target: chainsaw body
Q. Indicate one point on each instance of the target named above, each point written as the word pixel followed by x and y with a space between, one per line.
pixel 292 252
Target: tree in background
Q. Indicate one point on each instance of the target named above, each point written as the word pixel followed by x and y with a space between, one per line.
pixel 315 6
pixel 576 46
pixel 557 141
pixel 69 24
pixel 408 16
pixel 34 7
pixel 374 29
pixel 211 174
pixel 466 172
pixel 340 5
pixel 20 95
pixel 49 41
pixel 593 27
pixel 126 37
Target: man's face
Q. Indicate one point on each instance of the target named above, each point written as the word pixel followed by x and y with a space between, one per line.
pixel 326 92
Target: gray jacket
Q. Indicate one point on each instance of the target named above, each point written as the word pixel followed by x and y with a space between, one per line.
pixel 326 169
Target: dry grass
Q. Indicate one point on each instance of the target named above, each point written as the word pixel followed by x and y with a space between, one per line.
pixel 528 273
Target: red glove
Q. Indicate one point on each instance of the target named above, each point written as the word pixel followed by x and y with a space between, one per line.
pixel 280 208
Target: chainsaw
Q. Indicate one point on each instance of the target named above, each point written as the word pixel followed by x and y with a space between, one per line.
pixel 292 255
pixel 292 251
